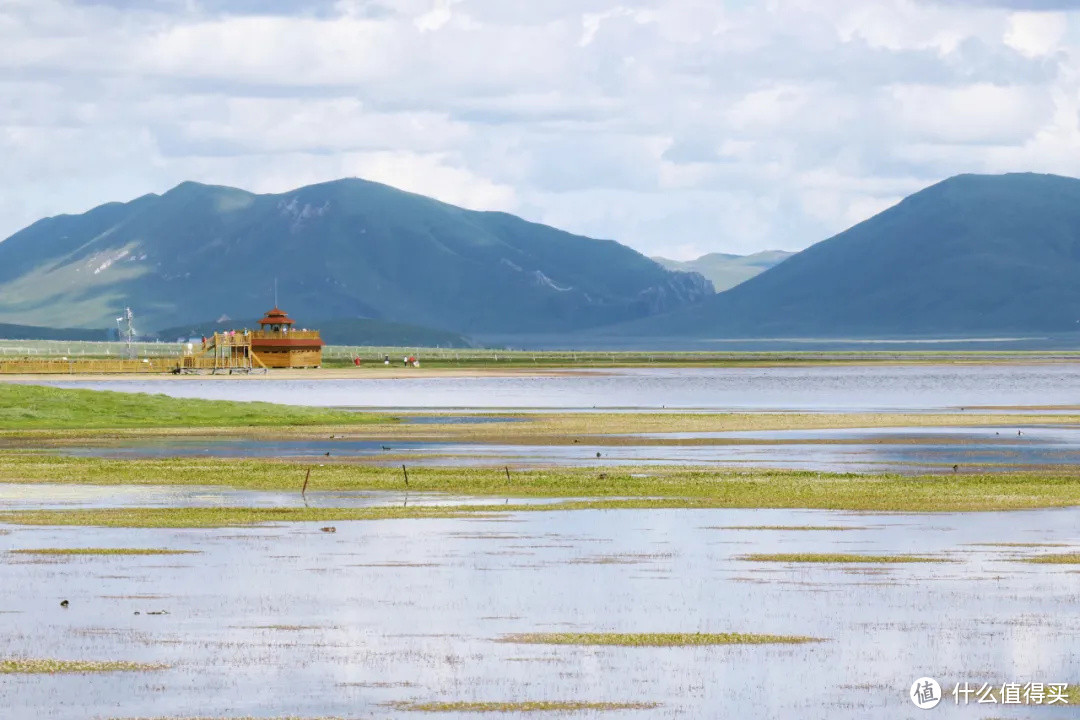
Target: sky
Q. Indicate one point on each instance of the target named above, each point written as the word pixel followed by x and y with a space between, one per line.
pixel 677 127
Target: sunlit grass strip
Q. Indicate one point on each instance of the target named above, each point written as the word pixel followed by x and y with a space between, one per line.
pixel 656 639
pixel 837 558
pixel 101 551
pixel 622 487
pixel 1019 545
pixel 40 666
pixel 520 707
pixel 1063 559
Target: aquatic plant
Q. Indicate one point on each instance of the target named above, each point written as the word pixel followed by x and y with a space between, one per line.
pixel 656 639
pixel 519 707
pixel 50 666
pixel 837 558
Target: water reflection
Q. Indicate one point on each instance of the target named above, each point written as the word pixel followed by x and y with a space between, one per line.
pixel 823 388
pixel 906 450
pixel 285 620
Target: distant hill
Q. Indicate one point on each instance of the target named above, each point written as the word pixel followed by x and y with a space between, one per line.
pixel 974 254
pixel 726 271
pixel 32 332
pixel 341 249
pixel 341 332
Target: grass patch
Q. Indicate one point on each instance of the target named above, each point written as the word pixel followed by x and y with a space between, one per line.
pixel 19 666
pixel 837 558
pixel 656 639
pixel 101 551
pixel 32 407
pixel 519 707
pixel 1065 559
pixel 1019 545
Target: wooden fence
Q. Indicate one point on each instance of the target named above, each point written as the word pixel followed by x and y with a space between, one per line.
pixel 84 366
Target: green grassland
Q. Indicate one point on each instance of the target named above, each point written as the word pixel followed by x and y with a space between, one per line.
pixel 32 407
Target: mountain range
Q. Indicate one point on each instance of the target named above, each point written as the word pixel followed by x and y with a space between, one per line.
pixel 339 250
pixel 974 254
pixel 971 255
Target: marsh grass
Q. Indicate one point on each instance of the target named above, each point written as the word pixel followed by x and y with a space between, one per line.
pixel 1063 559
pixel 656 639
pixel 837 558
pixel 615 488
pixel 519 707
pixel 1019 545
pixel 43 666
pixel 101 551
pixel 800 528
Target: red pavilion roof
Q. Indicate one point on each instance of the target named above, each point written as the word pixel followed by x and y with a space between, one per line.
pixel 276 317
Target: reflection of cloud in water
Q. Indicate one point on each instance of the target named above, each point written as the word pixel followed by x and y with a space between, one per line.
pixel 843 450
pixel 821 388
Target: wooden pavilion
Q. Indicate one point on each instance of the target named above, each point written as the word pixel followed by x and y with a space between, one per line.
pixel 276 344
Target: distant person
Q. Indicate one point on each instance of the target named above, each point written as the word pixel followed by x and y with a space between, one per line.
pixel 386 359
pixel 356 361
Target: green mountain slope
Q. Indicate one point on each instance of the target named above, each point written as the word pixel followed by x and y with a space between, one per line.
pixel 343 249
pixel 971 255
pixel 725 270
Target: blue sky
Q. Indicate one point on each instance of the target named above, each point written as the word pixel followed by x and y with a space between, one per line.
pixel 678 126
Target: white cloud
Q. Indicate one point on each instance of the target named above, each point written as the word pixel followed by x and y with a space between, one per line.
pixel 1036 34
pixel 439 15
pixel 675 126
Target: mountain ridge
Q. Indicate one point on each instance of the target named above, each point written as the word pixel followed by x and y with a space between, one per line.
pixel 972 254
pixel 346 248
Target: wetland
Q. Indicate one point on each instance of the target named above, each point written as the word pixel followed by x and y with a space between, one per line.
pixel 750 542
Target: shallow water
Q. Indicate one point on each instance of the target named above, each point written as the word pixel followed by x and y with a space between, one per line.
pixel 62 496
pixel 281 620
pixel 822 388
pixel 906 450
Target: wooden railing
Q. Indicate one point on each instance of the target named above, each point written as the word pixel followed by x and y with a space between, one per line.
pixel 281 334
pixel 85 366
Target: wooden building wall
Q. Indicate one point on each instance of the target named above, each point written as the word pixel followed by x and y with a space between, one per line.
pixel 294 357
